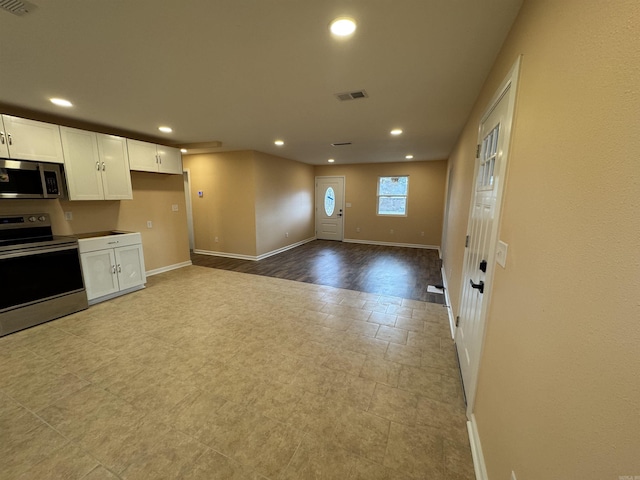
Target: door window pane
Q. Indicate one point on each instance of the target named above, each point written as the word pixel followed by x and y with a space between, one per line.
pixel 329 201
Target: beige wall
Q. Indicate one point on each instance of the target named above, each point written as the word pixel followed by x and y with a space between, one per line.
pixel 426 201
pixel 251 200
pixel 164 245
pixel 284 202
pixel 227 208
pixel 558 393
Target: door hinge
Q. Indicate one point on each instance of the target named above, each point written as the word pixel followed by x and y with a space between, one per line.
pixel 478 151
pixel 466 242
pixel 457 321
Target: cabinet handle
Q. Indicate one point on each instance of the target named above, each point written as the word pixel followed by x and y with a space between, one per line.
pixel 98 166
pixel 160 158
pixel 157 159
pixel 103 167
pixel 2 138
pixel 119 269
pixel 10 140
pixel 113 269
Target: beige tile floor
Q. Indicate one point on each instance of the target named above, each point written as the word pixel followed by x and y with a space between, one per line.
pixel 210 374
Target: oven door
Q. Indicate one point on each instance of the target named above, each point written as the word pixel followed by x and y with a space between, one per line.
pixel 39 274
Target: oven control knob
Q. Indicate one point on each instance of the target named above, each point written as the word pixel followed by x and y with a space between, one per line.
pixel 32 219
pixel 42 218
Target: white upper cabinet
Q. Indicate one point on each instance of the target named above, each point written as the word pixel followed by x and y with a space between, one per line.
pixel 149 157
pixel 96 165
pixel 24 139
pixel 114 161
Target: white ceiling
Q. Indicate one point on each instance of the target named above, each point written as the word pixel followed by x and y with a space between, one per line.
pixel 245 72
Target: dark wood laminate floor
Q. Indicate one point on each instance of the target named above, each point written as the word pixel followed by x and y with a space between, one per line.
pixel 396 271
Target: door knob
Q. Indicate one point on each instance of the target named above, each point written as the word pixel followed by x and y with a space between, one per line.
pixel 483 266
pixel 478 286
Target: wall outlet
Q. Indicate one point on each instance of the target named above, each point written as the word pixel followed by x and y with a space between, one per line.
pixel 215 239
pixel 149 224
pixel 174 207
pixel 68 216
pixel 286 234
pixel 391 231
pixel 358 229
pixel 422 234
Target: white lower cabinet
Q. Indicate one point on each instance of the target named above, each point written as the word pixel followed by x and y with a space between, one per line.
pixel 112 265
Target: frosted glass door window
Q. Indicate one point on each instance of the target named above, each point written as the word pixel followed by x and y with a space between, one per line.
pixel 329 201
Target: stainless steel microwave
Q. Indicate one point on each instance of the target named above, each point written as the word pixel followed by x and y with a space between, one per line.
pixel 25 179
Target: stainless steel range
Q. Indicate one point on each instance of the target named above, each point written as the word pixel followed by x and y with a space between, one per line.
pixel 40 273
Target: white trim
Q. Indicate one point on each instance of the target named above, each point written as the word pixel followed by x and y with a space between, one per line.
pixel 476 450
pixel 447 303
pixel 254 258
pixel 238 256
pixel 392 244
pixel 284 249
pixel 189 209
pixel 168 268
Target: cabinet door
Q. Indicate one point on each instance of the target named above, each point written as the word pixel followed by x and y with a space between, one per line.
pixel 170 160
pixel 130 266
pixel 100 276
pixel 4 141
pixel 114 164
pixel 143 156
pixel 82 164
pixel 31 140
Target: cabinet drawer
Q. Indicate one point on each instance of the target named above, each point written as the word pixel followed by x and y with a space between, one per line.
pixel 111 241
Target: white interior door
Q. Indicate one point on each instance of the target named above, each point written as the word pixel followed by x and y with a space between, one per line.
pixel 329 208
pixel 482 230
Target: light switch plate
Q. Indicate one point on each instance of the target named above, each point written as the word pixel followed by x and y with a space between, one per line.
pixel 348 204
pixel 174 207
pixel 501 254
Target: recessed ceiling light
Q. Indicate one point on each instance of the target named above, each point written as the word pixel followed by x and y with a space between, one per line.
pixel 279 143
pixel 343 26
pixel 409 157
pixel 183 150
pixel 331 160
pixel 61 102
pixel 165 129
pixel 396 131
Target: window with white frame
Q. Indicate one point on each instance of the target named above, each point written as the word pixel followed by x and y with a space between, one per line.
pixel 392 195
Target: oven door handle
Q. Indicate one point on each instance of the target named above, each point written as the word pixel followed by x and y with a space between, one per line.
pixel 38 251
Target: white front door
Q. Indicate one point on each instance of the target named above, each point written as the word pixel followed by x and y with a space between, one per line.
pixel 329 208
pixel 482 230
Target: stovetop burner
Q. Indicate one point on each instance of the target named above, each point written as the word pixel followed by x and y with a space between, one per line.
pixel 23 232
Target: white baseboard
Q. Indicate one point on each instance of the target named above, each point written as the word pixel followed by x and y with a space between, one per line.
pixel 392 244
pixel 254 258
pixel 156 271
pixel 476 450
pixel 284 249
pixel 213 253
pixel 447 301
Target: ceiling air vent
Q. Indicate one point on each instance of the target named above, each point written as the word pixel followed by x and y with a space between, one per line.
pixel 351 95
pixel 17 7
pixel 341 144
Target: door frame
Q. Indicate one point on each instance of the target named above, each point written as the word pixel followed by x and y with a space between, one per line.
pixel 507 87
pixel 315 197
pixel 186 178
